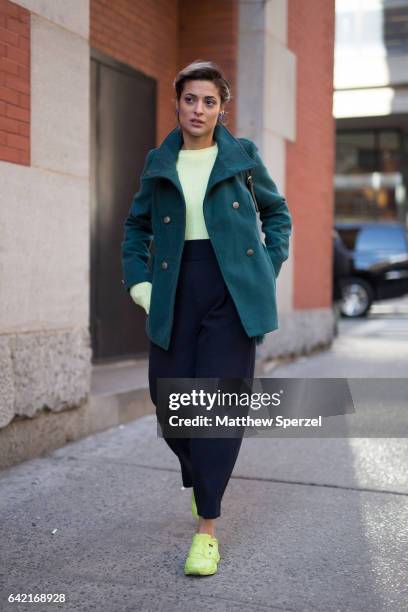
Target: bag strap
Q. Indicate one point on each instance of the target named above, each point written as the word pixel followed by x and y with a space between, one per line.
pixel 249 179
pixel 250 184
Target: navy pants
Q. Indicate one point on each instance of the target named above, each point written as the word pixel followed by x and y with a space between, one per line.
pixel 207 341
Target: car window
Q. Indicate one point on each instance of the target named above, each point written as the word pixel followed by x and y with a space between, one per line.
pixel 381 238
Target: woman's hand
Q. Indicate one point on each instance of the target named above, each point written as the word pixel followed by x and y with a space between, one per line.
pixel 141 294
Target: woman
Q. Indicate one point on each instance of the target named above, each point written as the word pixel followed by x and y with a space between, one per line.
pixel 209 289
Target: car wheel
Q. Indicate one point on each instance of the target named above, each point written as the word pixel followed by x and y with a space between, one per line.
pixel 357 297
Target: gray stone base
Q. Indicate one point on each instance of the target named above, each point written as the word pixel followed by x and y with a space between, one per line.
pixel 43 370
pixel 26 438
pixel 299 332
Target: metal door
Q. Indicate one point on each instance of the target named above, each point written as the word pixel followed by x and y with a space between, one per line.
pixel 123 129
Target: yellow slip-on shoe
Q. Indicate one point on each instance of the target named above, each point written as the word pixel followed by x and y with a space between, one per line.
pixel 203 556
pixel 194 506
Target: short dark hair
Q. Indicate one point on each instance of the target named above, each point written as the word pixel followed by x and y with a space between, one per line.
pixel 203 71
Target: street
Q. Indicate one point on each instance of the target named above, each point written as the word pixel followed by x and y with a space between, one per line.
pixel 307 524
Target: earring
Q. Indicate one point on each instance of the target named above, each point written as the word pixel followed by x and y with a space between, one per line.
pixel 221 115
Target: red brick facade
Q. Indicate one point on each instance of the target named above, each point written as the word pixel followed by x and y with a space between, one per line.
pixel 143 35
pixel 209 31
pixel 158 38
pixel 14 83
pixel 310 159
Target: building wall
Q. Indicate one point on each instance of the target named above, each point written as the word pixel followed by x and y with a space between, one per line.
pixel 209 31
pixel 266 102
pixel 144 36
pixel 14 83
pixel 44 236
pixel 371 94
pixel 371 59
pixel 159 38
pixel 285 78
pixel 310 158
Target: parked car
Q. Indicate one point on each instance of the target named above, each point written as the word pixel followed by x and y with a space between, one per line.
pixel 379 268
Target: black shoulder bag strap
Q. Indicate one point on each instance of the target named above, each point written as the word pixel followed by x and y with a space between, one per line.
pixel 249 180
pixel 250 184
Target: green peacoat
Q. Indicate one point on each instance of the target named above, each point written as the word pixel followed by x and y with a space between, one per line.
pixel 248 265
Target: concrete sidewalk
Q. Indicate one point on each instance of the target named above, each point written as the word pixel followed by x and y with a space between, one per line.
pixel 307 524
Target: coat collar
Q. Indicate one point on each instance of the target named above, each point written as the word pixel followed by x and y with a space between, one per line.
pixel 231 159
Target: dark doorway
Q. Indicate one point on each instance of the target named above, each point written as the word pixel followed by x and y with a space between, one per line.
pixel 123 129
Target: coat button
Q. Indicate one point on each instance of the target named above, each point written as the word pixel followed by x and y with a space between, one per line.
pixel 235 205
pixel 167 219
pixel 164 265
pixel 250 252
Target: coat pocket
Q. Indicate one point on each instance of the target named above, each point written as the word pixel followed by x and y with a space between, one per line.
pixel 268 257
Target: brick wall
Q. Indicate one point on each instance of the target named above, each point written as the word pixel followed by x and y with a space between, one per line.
pixel 209 31
pixel 14 83
pixel 159 38
pixel 310 159
pixel 143 35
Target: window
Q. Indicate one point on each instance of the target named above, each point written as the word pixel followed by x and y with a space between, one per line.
pixel 396 29
pixel 382 238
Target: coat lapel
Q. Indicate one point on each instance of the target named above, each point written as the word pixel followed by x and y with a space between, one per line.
pixel 231 159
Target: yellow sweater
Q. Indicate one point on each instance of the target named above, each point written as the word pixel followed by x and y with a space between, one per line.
pixel 194 168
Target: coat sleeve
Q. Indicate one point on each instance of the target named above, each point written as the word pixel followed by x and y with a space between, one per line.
pixel 273 210
pixel 138 234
